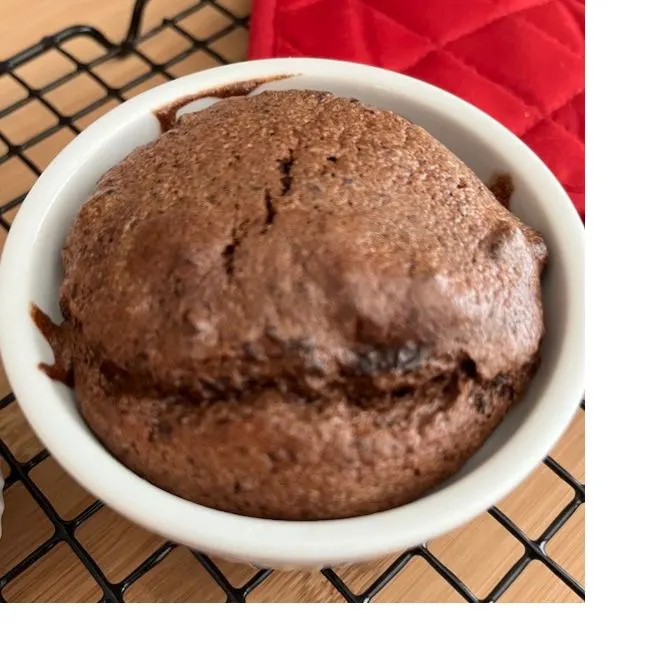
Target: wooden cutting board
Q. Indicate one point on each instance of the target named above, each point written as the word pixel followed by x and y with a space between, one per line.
pixel 479 553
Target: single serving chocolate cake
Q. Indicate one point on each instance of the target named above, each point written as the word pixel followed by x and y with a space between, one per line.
pixel 296 306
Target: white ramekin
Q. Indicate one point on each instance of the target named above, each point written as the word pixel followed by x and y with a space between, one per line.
pixel 31 272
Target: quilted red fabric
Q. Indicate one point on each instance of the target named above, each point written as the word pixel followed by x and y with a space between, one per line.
pixel 521 61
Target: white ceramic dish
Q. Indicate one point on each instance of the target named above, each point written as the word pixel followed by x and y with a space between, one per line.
pixel 30 271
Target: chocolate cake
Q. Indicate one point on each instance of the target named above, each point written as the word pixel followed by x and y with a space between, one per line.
pixel 297 306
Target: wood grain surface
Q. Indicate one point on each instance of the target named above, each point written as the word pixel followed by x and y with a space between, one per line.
pixel 479 553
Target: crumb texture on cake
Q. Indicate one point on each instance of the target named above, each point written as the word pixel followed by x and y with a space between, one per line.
pixel 294 305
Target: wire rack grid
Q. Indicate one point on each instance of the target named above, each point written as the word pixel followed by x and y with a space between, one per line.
pixel 85 55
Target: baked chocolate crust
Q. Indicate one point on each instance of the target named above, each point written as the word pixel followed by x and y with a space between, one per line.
pixel 297 306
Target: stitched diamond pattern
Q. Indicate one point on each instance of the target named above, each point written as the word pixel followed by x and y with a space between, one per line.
pixel 522 61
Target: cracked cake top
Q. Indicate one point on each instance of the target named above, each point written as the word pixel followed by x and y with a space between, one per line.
pixel 299 239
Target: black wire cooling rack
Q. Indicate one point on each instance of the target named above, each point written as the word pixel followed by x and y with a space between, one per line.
pixel 134 44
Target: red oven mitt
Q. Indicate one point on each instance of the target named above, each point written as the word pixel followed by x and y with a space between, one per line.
pixel 521 61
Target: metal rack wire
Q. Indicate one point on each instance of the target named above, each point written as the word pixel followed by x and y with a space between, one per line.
pixel 134 44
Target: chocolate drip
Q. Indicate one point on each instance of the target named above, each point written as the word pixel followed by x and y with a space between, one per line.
pixel 502 186
pixel 56 336
pixel 167 114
